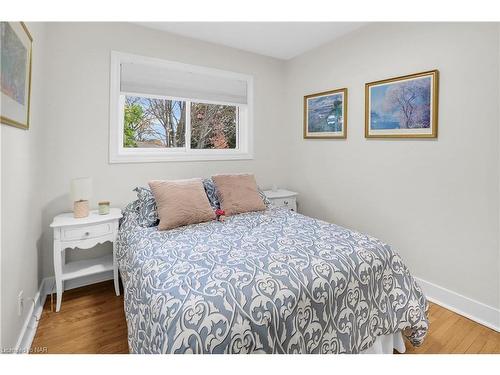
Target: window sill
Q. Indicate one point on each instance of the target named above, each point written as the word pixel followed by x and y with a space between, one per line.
pixel 159 158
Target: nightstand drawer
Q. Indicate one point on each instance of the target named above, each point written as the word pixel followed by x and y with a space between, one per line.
pixel 89 231
pixel 289 202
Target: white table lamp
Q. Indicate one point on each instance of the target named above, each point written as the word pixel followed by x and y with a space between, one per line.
pixel 81 190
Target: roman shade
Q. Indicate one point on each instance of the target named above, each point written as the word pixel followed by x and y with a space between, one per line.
pixel 183 81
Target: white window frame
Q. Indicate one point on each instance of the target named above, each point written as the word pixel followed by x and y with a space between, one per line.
pixel 120 154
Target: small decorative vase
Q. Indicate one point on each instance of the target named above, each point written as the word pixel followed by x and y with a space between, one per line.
pixel 80 209
pixel 103 208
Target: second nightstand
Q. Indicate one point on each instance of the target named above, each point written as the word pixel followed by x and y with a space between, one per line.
pixel 282 198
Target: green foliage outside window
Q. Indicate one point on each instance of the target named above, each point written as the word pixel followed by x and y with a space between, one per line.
pixel 133 117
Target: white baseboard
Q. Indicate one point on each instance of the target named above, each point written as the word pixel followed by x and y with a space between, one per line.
pixel 30 325
pixel 47 287
pixel 477 311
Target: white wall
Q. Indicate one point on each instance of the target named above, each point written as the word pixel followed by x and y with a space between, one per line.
pixel 21 192
pixel 436 201
pixel 77 93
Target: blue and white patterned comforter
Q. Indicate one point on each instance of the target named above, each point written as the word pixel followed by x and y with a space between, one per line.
pixel 263 282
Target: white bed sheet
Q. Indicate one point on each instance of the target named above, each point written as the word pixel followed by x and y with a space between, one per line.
pixel 386 344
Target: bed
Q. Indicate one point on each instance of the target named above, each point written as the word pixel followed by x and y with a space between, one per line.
pixel 273 281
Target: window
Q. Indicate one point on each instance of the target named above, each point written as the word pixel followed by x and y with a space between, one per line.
pixel 168 111
pixel 213 126
pixel 161 123
pixel 153 123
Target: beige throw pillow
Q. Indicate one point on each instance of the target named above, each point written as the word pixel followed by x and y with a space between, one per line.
pixel 238 193
pixel 181 202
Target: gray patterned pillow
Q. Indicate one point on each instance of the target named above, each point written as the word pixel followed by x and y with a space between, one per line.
pixel 265 199
pixel 148 214
pixel 211 191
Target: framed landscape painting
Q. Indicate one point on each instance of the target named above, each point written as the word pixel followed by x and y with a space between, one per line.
pixel 15 74
pixel 402 107
pixel 325 114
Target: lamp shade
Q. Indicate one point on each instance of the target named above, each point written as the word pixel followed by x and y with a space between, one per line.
pixel 81 189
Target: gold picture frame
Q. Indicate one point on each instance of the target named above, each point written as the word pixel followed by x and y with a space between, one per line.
pixel 418 114
pixel 342 134
pixel 9 31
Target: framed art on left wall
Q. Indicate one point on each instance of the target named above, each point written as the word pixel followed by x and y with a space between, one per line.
pixel 15 74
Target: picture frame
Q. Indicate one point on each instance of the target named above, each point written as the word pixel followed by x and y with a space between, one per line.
pixel 325 115
pixel 403 107
pixel 15 74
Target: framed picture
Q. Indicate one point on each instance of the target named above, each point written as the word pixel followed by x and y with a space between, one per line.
pixel 325 114
pixel 15 74
pixel 402 107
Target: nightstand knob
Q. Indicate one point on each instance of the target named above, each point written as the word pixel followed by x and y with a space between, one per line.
pixel 285 202
pixel 87 233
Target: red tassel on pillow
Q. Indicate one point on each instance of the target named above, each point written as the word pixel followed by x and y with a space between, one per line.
pixel 220 214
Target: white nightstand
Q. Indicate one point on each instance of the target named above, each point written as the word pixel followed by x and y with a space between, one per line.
pixel 283 198
pixel 84 233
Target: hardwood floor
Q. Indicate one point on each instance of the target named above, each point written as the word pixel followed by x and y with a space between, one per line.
pixel 92 320
pixel 454 334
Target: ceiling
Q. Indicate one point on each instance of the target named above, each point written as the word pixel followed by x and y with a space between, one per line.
pixel 282 40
